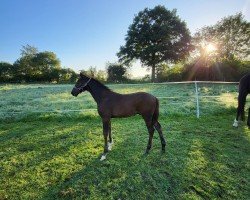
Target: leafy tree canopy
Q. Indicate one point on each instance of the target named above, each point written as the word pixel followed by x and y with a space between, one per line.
pixel 34 65
pixel 28 50
pixel 94 73
pixel 6 70
pixel 156 35
pixel 231 37
pixel 116 72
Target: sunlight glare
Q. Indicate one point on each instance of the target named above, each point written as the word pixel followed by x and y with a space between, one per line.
pixel 210 48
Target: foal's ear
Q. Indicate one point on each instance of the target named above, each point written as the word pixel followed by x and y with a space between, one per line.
pixel 82 74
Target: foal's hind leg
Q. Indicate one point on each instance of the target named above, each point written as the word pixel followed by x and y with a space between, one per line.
pixel 149 124
pixel 236 122
pixel 110 142
pixel 157 126
pixel 240 109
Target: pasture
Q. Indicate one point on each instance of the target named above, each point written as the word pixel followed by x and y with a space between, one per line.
pixel 50 144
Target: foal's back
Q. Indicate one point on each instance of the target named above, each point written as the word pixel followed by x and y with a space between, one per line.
pixel 125 105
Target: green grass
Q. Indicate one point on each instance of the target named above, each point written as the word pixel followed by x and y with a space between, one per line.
pixel 56 155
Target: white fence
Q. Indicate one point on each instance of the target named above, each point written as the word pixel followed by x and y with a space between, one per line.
pixel 197 96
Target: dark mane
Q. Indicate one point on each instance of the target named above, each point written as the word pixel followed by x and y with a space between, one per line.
pixel 101 85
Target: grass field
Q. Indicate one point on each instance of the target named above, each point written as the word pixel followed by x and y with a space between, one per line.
pixel 50 150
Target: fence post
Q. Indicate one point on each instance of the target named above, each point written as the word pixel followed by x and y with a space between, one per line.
pixel 197 100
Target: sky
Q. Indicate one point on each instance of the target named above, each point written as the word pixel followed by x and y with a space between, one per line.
pixel 86 33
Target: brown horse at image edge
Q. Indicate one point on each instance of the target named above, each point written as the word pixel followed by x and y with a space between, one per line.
pixel 244 90
pixel 114 105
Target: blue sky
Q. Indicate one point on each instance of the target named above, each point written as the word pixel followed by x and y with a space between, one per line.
pixel 87 33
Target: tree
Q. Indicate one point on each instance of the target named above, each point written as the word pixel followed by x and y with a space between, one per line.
pixel 91 72
pixel 116 72
pixel 101 75
pixel 28 50
pixel 45 63
pixel 94 73
pixel 170 73
pixel 6 72
pixel 156 35
pixel 222 51
pixel 25 68
pixel 67 75
pixel 231 37
pixel 36 66
pixel 162 72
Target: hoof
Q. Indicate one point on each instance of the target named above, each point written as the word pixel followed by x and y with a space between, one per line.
pixel 110 146
pixel 103 157
pixel 236 123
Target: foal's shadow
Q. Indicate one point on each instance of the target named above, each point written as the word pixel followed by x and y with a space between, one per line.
pixel 126 159
pixel 98 178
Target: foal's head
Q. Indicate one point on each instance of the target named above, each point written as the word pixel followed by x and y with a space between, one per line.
pixel 81 85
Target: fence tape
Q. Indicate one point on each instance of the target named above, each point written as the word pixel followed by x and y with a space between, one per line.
pixel 196 96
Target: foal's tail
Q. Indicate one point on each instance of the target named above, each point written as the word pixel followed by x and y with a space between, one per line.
pixel 156 112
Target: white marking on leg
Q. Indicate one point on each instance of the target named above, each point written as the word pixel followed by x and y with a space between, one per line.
pixel 103 157
pixel 236 123
pixel 110 146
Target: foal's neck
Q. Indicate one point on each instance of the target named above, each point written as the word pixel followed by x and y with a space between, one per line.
pixel 98 91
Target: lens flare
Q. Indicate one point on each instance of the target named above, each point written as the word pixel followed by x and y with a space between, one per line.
pixel 210 48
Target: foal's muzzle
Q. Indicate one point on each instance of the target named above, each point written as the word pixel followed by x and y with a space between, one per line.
pixel 75 91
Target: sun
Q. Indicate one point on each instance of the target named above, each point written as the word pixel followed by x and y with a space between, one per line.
pixel 209 48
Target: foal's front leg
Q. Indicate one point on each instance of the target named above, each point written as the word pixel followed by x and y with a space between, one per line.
pixel 106 123
pixel 110 142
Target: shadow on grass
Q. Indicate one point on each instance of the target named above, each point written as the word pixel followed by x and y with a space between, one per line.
pixel 218 161
pixel 126 174
pixel 59 158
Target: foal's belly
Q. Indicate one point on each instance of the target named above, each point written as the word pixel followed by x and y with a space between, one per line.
pixel 122 112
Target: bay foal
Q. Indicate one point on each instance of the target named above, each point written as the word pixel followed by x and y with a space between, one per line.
pixel 111 105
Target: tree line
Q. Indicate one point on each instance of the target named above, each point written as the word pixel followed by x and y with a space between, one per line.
pixel 162 42
pixel 34 66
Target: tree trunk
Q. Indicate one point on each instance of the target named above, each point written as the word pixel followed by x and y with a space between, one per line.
pixel 153 74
